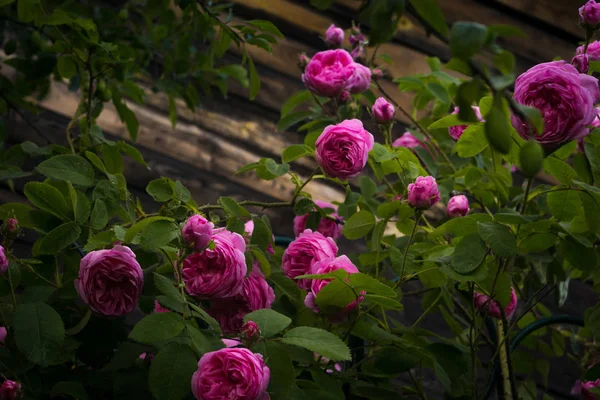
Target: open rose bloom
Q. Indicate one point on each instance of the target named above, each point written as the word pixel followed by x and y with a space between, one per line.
pixel 492 307
pixel 308 248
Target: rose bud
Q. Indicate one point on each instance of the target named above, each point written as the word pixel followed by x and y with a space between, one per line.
pixel 12 224
pixel 458 206
pixel 581 62
pixel 407 140
pixel 590 14
pixel 250 331
pixel 593 51
pixel 10 390
pixel 334 36
pixel 423 193
pixel 344 97
pixel 383 112
pixel 197 231
pixel 303 60
pixel 492 307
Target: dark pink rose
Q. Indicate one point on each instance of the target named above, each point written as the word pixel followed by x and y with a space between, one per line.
pixel 217 273
pixel 3 261
pixel 458 206
pixel 231 342
pixel 308 248
pixel 256 294
pixel 586 387
pixel 581 62
pixel 327 227
pixel 423 193
pixel 323 267
pixel 590 14
pixel 383 111
pixel 231 373
pixel 407 140
pixel 2 334
pixel 457 131
pixel 303 61
pixel 334 36
pixel 158 308
pixel 492 307
pixel 360 80
pixel 10 390
pixel 564 97
pixel 110 281
pixel 344 97
pixel 342 150
pixel 12 224
pixel 249 228
pixel 329 72
pixel 250 331
pixel 197 231
pixel 593 51
pixel 377 72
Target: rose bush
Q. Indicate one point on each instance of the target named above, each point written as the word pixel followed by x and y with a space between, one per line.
pixel 444 201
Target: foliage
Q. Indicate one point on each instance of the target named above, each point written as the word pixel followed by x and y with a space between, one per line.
pixel 533 235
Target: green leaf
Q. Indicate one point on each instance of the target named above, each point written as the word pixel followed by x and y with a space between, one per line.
pixel 68 167
pixel 126 115
pixel 261 235
pixel 18 210
pixel 498 237
pixel 564 204
pixel 200 341
pixel 232 207
pixel 294 100
pixel 161 189
pixel 59 238
pixel 335 296
pixel 359 225
pixel 99 217
pixel 6 2
pixel 66 66
pixel 538 242
pixel 295 151
pixel 496 127
pixel 282 370
pixel 167 287
pixel 38 332
pixel 205 317
pixel 448 121
pixel 132 152
pixel 439 92
pixel 468 254
pixel 560 170
pixel 133 231
pixel 534 117
pixel 254 79
pixel 472 142
pixel 157 234
pixel 266 26
pixel 71 389
pixel 100 240
pixel 320 341
pixel 462 226
pixel 467 38
pixel 362 282
pixel 37 294
pixel 157 327
pixel 112 159
pixel 385 302
pixel 270 321
pixel 292 119
pixel 431 12
pixel 171 372
pixel 81 207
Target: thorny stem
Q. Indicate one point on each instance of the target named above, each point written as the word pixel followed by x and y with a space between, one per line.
pixel 410 239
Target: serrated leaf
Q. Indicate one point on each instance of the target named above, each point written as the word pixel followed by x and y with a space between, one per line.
pixel 472 141
pixel 320 341
pixel 269 321
pixel 68 167
pixel 232 207
pixel 171 372
pixel 468 254
pixel 431 12
pixel 47 198
pixel 59 238
pixel 157 327
pixel 39 332
pixel 358 225
pixel 498 237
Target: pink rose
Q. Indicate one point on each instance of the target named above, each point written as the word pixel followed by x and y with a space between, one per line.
pixel 334 36
pixel 327 227
pixel 423 193
pixel 110 281
pixel 360 80
pixel 3 261
pixel 593 51
pixel 457 131
pixel 231 342
pixel 249 228
pixel 12 224
pixel 329 72
pixel 344 97
pixel 158 308
pixel 357 38
pixel 231 373
pixel 377 72
pixel 324 267
pixel 581 62
pixel 586 387
pixel 218 273
pixel 197 231
pixel 383 112
pixel 10 390
pixel 303 61
pixel 492 307
pixel 342 150
pixel 308 248
pixel 564 97
pixel 407 140
pixel 2 334
pixel 590 14
pixel 256 294
pixel 458 206
pixel 324 361
pixel 358 52
pixel 250 331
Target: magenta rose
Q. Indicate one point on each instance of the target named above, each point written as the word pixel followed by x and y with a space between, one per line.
pixel 360 80
pixel 110 281
pixel 250 331
pixel 329 72
pixel 581 62
pixel 217 273
pixel 383 111
pixel 593 51
pixel 10 390
pixel 492 307
pixel 327 227
pixel 334 36
pixel 458 206
pixel 197 231
pixel 231 342
pixel 256 294
pixel 407 140
pixel 342 150
pixel 2 334
pixel 3 261
pixel 586 387
pixel 12 224
pixel 423 193
pixel 564 97
pixel 249 228
pixel 231 373
pixel 344 97
pixel 590 14
pixel 457 131
pixel 324 267
pixel 308 248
